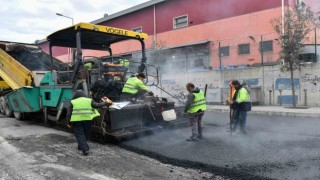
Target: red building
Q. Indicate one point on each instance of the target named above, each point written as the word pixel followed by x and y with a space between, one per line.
pixel 189 34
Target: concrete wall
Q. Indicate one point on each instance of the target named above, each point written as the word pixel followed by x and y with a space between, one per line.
pixel 269 86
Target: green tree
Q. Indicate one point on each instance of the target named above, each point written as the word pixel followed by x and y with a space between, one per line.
pixel 298 23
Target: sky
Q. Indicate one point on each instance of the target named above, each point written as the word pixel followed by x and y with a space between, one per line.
pixel 30 20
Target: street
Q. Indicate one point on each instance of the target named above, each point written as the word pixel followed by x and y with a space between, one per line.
pixel 33 152
pixel 274 148
pixel 115 90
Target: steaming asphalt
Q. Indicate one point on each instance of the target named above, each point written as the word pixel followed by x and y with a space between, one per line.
pixel 274 148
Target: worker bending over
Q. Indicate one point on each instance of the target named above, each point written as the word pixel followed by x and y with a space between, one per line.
pixel 135 88
pixel 81 113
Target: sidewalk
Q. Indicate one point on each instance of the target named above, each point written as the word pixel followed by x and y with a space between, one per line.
pixel 273 110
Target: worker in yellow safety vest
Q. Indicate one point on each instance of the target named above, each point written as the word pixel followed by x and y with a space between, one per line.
pixel 195 107
pixel 124 62
pixel 83 75
pixel 230 100
pixel 81 112
pixel 241 104
pixel 135 88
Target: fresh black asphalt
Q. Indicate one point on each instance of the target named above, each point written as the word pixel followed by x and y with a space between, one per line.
pixel 274 148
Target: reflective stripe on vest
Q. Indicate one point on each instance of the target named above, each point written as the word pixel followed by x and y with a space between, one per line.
pixel 82 110
pixel 199 103
pixel 131 85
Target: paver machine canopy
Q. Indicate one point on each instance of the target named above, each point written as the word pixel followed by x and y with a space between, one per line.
pixel 94 37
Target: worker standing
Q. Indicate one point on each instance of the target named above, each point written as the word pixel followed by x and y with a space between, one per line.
pixel 81 113
pixel 241 104
pixel 230 100
pixel 83 74
pixel 195 107
pixel 134 87
pixel 124 62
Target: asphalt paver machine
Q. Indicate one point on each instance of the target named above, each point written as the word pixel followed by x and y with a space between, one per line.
pixel 52 95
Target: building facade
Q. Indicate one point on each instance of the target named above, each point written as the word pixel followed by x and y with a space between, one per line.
pixel 201 36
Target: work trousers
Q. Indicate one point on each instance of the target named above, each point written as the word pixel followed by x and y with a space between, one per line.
pixel 82 130
pixel 84 85
pixel 239 117
pixel 196 124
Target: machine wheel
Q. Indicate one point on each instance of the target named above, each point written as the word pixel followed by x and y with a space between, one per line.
pixel 18 115
pixel 7 111
pixel 2 105
pixel 45 115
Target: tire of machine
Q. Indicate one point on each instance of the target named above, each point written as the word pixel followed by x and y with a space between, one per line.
pixel 2 105
pixel 45 115
pixel 18 115
pixel 7 111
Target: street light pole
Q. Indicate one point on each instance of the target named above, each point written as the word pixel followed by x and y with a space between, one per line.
pixel 58 14
pixel 69 50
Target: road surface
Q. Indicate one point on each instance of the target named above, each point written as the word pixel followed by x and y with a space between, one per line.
pixel 274 148
pixel 32 152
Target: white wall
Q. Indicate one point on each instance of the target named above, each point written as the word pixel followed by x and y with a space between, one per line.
pixel 260 79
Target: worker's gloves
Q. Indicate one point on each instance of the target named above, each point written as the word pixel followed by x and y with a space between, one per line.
pixel 106 100
pixel 69 125
pixel 150 93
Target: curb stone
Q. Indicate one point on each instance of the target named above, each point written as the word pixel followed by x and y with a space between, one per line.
pixel 269 113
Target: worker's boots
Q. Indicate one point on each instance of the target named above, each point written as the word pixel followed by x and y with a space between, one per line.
pixel 192 138
pixel 243 131
pixel 200 133
pixel 85 153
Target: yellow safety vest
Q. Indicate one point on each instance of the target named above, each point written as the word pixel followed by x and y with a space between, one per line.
pixel 243 96
pixel 124 62
pixel 133 85
pixel 82 110
pixel 199 103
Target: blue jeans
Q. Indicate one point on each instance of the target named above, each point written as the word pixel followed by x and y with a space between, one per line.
pixel 239 116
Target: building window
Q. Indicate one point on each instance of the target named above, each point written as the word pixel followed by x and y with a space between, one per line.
pixel 266 46
pixel 244 48
pixel 179 22
pixel 137 29
pixel 308 57
pixel 179 65
pixel 224 51
pixel 198 63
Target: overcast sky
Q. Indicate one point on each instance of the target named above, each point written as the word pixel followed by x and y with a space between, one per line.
pixel 30 20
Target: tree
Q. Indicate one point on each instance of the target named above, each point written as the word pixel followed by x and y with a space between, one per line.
pixel 298 23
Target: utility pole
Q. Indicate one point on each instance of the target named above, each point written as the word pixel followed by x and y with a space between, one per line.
pixel 261 50
pixel 282 11
pixel 220 63
pixel 315 43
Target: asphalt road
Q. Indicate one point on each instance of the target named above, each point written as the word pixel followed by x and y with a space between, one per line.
pixel 274 148
pixel 32 152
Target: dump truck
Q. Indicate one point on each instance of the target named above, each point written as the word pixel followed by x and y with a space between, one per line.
pixel 50 92
pixel 22 65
